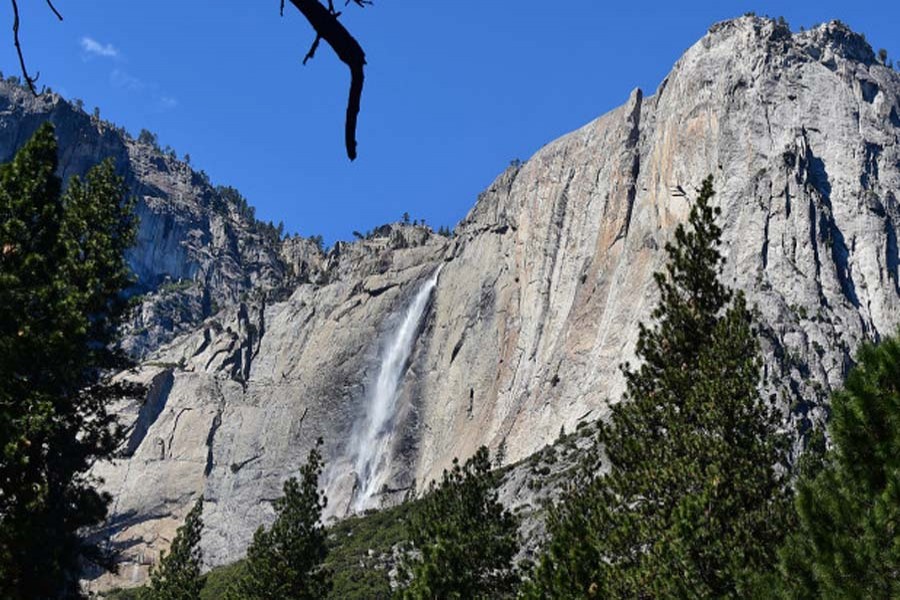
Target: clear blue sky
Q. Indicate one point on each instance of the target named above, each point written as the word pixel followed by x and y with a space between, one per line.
pixel 454 90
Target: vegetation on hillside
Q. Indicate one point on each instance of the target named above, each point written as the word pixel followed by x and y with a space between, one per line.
pixel 364 551
pixel 361 555
pixel 462 541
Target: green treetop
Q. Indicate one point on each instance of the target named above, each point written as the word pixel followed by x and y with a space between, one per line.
pixel 62 274
pixel 847 543
pixel 463 540
pixel 177 577
pixel 693 505
pixel 284 562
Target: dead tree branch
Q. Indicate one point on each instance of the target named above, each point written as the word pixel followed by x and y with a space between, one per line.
pixel 29 80
pixel 53 8
pixel 312 50
pixel 325 22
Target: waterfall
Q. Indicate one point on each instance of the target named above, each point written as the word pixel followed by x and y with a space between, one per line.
pixel 371 442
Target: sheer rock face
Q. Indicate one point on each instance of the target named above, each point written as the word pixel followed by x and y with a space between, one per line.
pixel 543 286
pixel 236 405
pixel 553 267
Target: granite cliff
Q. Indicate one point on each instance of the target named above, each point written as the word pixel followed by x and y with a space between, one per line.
pixel 540 291
pixel 199 247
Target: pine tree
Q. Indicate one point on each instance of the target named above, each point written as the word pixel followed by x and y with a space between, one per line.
pixel 148 138
pixel 463 540
pixel 285 561
pixel 847 543
pixel 177 577
pixel 62 273
pixel 693 505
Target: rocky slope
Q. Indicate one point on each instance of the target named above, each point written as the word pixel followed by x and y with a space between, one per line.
pixel 541 290
pixel 198 247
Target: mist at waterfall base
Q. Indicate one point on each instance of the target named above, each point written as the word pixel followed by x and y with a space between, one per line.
pixel 371 443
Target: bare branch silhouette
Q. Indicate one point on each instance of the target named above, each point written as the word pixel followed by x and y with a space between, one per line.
pixel 53 8
pixel 312 49
pixel 29 80
pixel 325 22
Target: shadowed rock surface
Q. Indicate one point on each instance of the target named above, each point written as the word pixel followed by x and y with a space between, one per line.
pixel 542 289
pixel 198 249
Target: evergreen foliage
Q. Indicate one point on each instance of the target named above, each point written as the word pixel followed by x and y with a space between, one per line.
pixel 693 505
pixel 361 557
pixel 62 273
pixel 284 562
pixel 463 540
pixel 148 138
pixel 231 196
pixel 177 577
pixel 847 543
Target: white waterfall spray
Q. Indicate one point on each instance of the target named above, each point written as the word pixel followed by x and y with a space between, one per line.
pixel 372 441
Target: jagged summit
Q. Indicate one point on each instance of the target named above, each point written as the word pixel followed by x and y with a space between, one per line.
pixel 775 35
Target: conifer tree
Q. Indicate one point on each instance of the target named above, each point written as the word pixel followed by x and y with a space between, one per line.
pixel 62 274
pixel 847 543
pixel 693 505
pixel 177 577
pixel 463 539
pixel 284 562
